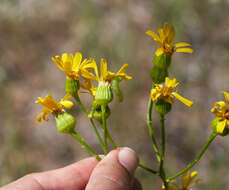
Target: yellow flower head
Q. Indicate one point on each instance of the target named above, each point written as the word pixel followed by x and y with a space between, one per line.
pixel 52 107
pixel 74 66
pixel 88 85
pixel 221 110
pixel 167 92
pixel 186 181
pixel 165 38
pixel 107 76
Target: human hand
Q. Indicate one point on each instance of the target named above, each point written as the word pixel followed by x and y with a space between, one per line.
pixel 114 172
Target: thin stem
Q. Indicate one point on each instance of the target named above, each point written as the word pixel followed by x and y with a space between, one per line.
pixel 76 97
pixel 198 157
pixel 147 168
pixel 97 134
pixel 151 131
pixel 111 140
pixel 162 124
pixel 104 128
pixel 161 167
pixel 85 145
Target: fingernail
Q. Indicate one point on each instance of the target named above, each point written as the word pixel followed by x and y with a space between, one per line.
pixel 128 159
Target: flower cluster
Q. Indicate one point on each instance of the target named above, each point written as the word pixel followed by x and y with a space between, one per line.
pixel 85 76
pixel 76 68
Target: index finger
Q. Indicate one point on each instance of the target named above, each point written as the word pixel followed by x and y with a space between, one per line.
pixel 72 177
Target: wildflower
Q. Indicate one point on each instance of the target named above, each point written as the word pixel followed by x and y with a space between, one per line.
pixel 107 76
pixel 104 93
pixel 53 107
pixel 221 110
pixel 187 179
pixel 165 38
pixel 167 93
pixel 74 66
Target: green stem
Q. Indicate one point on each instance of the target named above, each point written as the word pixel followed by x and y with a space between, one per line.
pixel 151 131
pixel 147 168
pixel 104 128
pixel 85 145
pixel 198 157
pixel 161 167
pixel 111 140
pixel 76 97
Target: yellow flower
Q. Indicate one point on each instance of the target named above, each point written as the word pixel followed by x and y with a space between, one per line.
pixel 52 107
pixel 165 41
pixel 88 85
pixel 187 179
pixel 73 66
pixel 167 92
pixel 107 76
pixel 221 110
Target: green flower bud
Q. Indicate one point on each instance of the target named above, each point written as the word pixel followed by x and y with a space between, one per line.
pixel 116 88
pixel 96 112
pixel 103 93
pixel 162 107
pixel 214 124
pixel 71 86
pixel 158 74
pixel 65 122
pixel 163 61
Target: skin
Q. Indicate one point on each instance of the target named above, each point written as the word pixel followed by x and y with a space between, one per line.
pixel 87 174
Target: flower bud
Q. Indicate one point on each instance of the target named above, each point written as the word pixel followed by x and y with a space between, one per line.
pixel 71 86
pixel 96 112
pixel 65 122
pixel 163 61
pixel 214 125
pixel 103 93
pixel 162 107
pixel 116 88
pixel 158 74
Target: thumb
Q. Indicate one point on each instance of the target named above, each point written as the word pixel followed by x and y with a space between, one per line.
pixel 115 171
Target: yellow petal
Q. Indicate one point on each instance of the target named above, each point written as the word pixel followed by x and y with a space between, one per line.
pixel 182 44
pixel 195 182
pixel 183 100
pixel 153 35
pixel 171 34
pixel 67 103
pixel 220 126
pixel 77 60
pixel 185 50
pixel 123 68
pixel 39 117
pixel 185 179
pixel 103 68
pixel 64 57
pixel 226 95
pixel 57 60
pixel 88 75
pixel 159 51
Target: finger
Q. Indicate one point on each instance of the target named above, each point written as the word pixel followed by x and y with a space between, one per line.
pixel 73 177
pixel 115 171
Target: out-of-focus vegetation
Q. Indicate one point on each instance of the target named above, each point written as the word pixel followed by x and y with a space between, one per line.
pixel 32 31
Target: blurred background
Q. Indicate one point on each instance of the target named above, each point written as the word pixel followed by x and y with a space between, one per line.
pixel 32 31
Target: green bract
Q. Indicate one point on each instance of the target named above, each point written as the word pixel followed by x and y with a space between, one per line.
pixel 65 123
